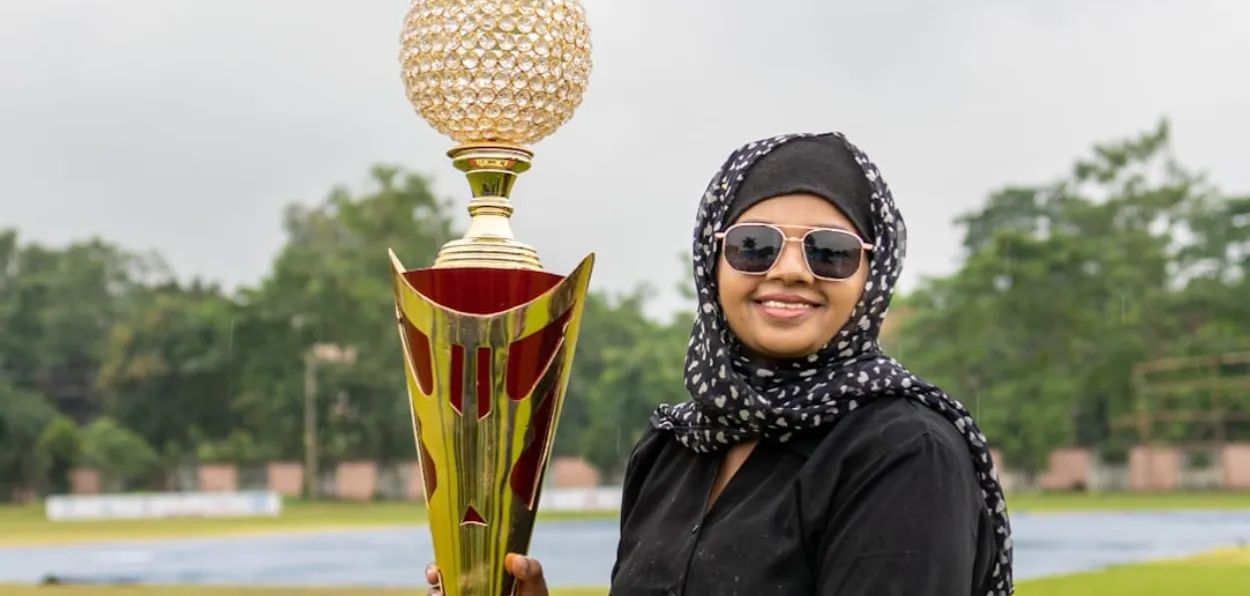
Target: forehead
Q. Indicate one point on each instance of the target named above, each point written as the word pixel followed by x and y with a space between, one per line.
pixel 797 210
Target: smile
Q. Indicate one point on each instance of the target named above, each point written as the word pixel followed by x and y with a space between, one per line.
pixel 787 305
pixel 788 311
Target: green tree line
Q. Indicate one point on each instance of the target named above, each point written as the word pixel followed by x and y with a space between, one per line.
pixel 107 360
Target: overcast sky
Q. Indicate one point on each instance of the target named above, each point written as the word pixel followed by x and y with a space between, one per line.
pixel 185 125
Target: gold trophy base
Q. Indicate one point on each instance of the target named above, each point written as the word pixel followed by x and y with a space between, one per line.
pixel 492 169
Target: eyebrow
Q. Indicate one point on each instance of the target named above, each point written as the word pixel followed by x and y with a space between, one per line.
pixel 828 224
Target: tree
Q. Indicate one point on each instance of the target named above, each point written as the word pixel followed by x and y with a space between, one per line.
pixel 1065 286
pixel 122 457
pixel 60 444
pixel 23 416
pixel 169 366
pixel 331 284
pixel 56 309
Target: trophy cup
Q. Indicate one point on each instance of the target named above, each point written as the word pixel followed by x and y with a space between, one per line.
pixel 488 335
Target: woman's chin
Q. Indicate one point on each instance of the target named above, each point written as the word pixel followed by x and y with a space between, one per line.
pixel 781 351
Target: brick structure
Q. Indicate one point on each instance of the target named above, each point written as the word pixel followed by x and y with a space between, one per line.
pixel 1235 461
pixel 1067 469
pixel 285 478
pixel 219 478
pixel 23 495
pixel 84 481
pixel 996 456
pixel 356 480
pixel 1154 468
pixel 572 472
pixel 1150 468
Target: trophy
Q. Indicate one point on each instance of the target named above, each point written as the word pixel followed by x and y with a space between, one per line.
pixel 488 335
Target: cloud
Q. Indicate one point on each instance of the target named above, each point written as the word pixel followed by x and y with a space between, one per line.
pixel 185 126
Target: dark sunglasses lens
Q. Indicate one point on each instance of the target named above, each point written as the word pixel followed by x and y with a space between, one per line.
pixel 832 255
pixel 752 249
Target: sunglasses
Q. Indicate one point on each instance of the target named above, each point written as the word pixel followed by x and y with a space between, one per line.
pixel 755 248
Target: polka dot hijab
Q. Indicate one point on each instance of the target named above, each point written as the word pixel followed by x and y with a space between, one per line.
pixel 734 399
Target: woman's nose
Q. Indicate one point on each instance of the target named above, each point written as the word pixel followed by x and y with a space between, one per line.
pixel 791 267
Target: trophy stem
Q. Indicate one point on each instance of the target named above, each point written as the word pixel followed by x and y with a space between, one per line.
pixel 492 169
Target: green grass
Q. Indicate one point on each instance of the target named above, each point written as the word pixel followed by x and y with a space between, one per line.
pixel 26 525
pixel 1225 573
pixel 216 591
pixel 1221 573
pixel 1070 502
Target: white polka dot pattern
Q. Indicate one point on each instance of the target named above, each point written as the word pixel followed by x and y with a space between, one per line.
pixel 734 399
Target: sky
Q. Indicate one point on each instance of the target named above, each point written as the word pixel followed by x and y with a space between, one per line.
pixel 185 126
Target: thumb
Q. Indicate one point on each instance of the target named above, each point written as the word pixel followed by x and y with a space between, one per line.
pixel 529 572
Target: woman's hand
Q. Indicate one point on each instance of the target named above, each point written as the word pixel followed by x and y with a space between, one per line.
pixel 527 571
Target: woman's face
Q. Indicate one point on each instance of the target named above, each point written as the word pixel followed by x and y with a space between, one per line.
pixel 813 310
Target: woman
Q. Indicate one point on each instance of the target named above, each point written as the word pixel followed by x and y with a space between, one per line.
pixel 806 462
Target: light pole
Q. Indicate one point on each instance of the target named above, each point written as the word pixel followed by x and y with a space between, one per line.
pixel 315 356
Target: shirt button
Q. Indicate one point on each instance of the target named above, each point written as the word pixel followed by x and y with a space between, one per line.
pixel 695 529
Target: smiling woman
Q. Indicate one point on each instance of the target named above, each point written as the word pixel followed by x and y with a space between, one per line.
pixel 771 295
pixel 806 461
pixel 852 475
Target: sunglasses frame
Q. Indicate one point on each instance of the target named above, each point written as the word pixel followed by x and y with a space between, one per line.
pixel 786 239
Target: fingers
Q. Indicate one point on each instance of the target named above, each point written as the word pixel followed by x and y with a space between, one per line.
pixel 431 577
pixel 529 572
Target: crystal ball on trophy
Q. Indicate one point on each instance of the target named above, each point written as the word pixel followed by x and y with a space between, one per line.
pixel 488 335
pixel 509 71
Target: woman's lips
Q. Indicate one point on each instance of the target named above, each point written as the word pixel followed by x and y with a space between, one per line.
pixel 785 310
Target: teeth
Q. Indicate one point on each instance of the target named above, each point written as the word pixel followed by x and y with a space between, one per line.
pixel 790 305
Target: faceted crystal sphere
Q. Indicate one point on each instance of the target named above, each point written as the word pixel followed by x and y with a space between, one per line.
pixel 508 71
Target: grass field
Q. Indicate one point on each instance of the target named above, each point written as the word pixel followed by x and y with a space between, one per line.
pixel 215 591
pixel 1224 573
pixel 25 525
pixel 1220 573
pixel 1070 502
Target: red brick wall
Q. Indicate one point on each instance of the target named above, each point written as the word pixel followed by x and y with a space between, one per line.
pixel 285 478
pixel 1153 468
pixel 219 478
pixel 84 481
pixel 1067 469
pixel 1149 468
pixel 573 472
pixel 1235 461
pixel 356 481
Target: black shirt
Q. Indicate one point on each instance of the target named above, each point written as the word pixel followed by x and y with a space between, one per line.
pixel 885 502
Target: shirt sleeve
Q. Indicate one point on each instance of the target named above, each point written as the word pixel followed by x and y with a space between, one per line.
pixel 903 522
pixel 635 473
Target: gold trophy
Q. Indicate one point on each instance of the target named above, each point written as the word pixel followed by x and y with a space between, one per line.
pixel 488 335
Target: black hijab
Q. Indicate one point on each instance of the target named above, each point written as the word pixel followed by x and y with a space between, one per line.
pixel 735 399
pixel 820 165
